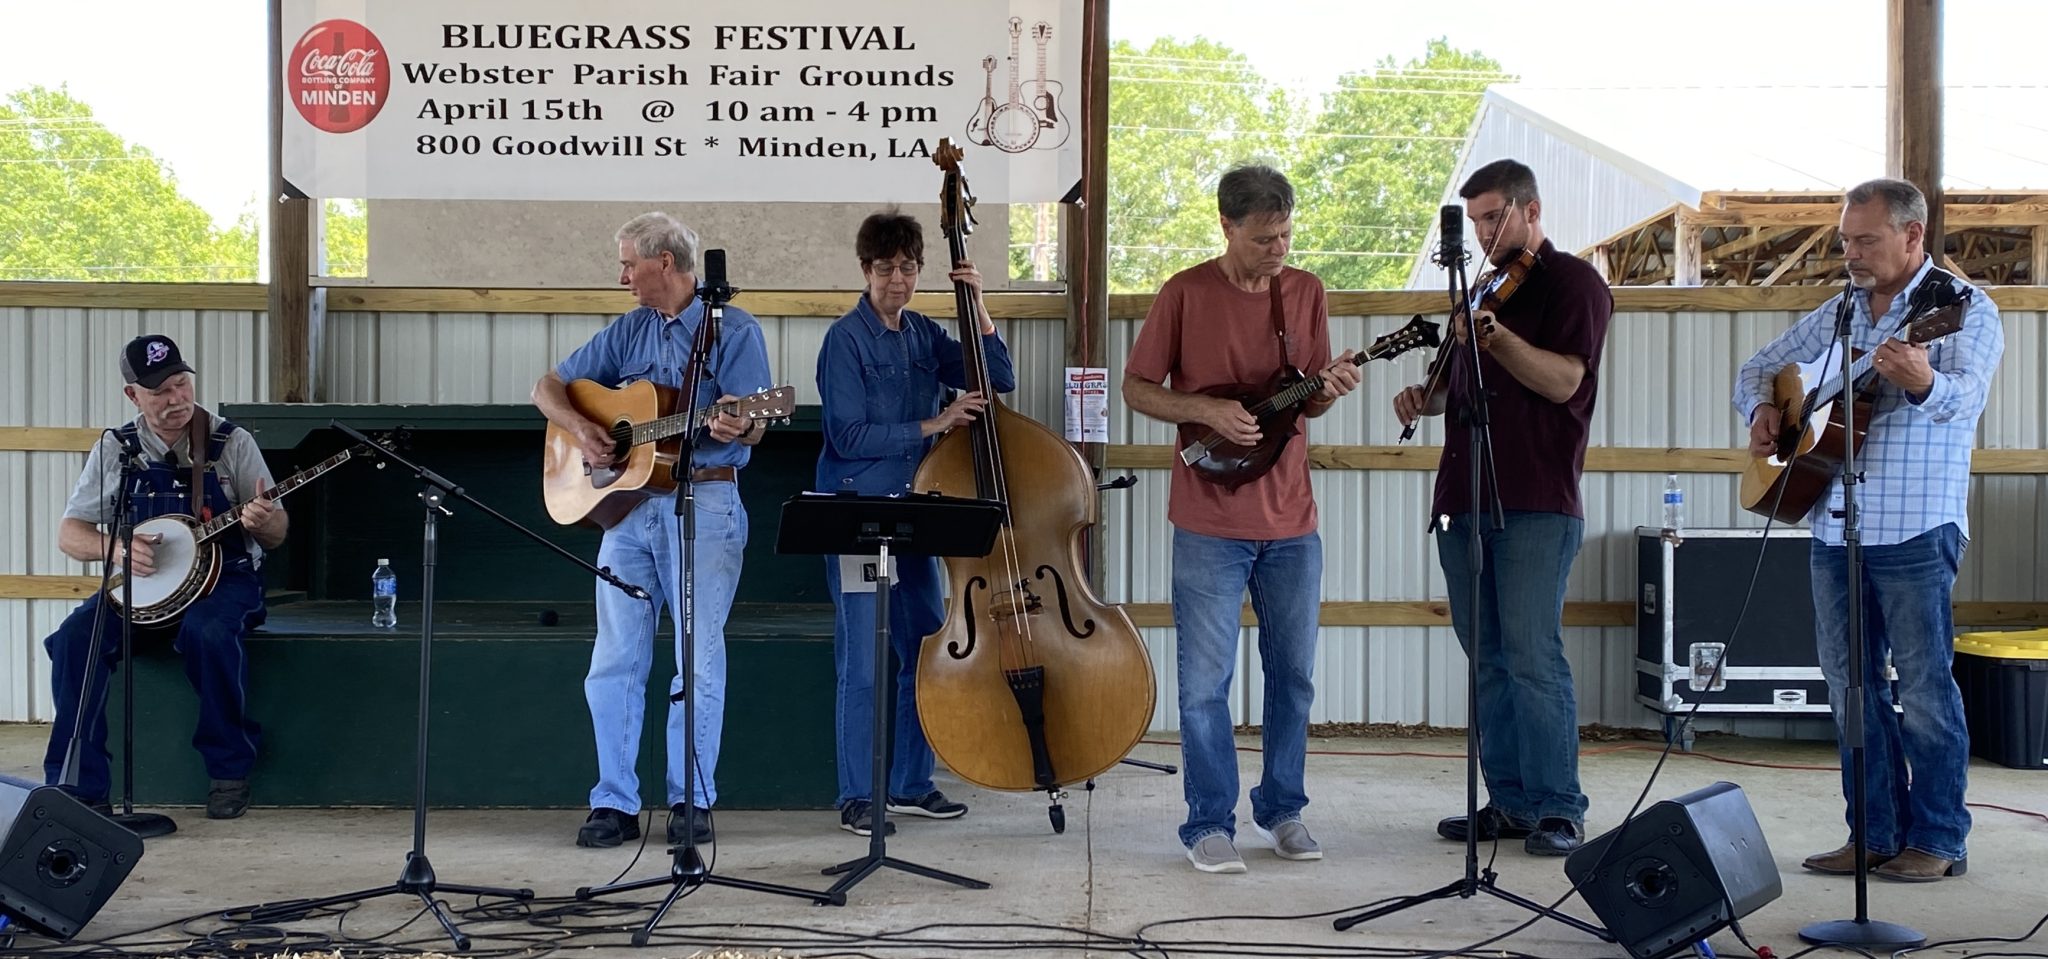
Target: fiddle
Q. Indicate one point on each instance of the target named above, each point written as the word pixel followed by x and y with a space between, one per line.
pixel 1490 292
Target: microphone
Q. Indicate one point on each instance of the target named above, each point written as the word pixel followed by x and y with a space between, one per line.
pixel 1451 233
pixel 715 290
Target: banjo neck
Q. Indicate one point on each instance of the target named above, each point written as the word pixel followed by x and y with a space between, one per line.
pixel 212 529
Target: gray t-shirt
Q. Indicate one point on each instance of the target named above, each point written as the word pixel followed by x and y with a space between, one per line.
pixel 99 484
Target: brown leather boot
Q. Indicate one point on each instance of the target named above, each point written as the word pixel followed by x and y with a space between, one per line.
pixel 1914 865
pixel 1842 862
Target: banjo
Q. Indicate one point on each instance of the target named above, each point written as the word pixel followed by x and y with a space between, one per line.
pixel 188 561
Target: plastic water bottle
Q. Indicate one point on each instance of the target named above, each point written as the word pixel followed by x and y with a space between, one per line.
pixel 384 596
pixel 1674 509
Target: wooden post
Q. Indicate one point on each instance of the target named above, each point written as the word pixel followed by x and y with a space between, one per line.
pixel 290 248
pixel 2037 266
pixel 1085 230
pixel 1913 108
pixel 1685 251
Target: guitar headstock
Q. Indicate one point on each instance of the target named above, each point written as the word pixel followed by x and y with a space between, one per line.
pixel 1418 333
pixel 1937 324
pixel 956 199
pixel 776 404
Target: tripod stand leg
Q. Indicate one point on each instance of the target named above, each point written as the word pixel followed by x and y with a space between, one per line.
pixel 441 916
pixel 1487 886
pixel 642 934
pixel 1456 888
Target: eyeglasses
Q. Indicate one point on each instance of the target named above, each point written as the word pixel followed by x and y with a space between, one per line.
pixel 895 269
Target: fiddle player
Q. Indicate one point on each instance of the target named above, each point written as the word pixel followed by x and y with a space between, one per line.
pixel 1237 319
pixel 1540 358
pixel 1915 523
pixel 881 376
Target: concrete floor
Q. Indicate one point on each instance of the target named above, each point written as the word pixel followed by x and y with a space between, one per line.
pixel 1118 866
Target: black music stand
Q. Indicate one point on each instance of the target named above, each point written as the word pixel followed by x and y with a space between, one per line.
pixel 917 525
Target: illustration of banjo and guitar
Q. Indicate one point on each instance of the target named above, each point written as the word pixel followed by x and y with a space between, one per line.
pixel 1020 123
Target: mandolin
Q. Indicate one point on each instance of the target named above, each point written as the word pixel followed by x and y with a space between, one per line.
pixel 1278 404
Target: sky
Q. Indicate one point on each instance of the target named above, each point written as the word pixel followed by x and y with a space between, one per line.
pixel 185 78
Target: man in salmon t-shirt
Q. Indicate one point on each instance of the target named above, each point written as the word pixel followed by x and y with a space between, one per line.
pixel 1238 319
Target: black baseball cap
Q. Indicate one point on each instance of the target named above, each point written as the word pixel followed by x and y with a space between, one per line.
pixel 148 360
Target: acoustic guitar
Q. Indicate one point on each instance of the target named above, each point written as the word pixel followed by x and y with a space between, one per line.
pixel 1277 404
pixel 647 437
pixel 1813 439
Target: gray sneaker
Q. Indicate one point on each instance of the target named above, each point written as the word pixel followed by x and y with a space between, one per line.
pixel 1215 854
pixel 1291 840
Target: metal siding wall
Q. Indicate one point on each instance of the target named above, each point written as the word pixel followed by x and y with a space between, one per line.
pixel 64 371
pixel 433 357
pixel 1665 381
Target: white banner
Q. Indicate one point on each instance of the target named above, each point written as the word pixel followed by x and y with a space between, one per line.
pixel 709 100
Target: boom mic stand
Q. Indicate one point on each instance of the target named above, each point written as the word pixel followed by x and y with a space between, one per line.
pixel 417 877
pixel 687 869
pixel 1452 258
pixel 1862 931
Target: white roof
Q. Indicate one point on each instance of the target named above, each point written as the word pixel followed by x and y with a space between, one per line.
pixel 1790 139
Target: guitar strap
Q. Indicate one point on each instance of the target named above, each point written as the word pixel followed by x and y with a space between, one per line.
pixel 197 432
pixel 1279 319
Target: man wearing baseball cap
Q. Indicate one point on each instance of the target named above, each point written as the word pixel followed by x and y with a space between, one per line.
pixel 174 449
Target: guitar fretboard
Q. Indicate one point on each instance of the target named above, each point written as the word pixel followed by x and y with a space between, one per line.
pixel 661 428
pixel 226 521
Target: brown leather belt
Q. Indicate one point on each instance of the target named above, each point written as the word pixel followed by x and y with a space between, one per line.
pixel 714 474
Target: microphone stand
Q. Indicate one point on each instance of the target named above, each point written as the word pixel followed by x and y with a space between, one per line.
pixel 687 869
pixel 1480 448
pixel 146 825
pixel 417 878
pixel 1861 931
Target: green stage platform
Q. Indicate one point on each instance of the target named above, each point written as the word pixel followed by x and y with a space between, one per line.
pixel 337 700
pixel 509 724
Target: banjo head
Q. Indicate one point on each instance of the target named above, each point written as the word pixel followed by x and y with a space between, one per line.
pixel 177 557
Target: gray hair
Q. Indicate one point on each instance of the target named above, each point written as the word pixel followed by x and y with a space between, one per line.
pixel 1902 200
pixel 1253 188
pixel 652 234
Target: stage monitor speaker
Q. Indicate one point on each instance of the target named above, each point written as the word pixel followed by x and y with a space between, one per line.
pixel 59 861
pixel 1679 872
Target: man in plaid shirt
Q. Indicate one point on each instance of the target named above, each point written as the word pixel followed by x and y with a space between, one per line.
pixel 1912 504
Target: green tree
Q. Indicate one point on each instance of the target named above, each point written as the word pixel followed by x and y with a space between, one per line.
pixel 1181 113
pixel 77 202
pixel 1375 163
pixel 348 237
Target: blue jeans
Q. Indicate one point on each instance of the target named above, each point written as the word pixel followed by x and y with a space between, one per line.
pixel 1210 576
pixel 1528 712
pixel 915 611
pixel 1906 613
pixel 210 635
pixel 645 549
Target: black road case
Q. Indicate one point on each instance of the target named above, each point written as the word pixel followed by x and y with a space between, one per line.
pixel 1688 599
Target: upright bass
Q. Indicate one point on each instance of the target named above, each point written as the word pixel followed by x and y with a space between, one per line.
pixel 1033 682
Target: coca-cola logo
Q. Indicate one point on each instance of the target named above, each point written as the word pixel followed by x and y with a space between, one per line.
pixel 338 76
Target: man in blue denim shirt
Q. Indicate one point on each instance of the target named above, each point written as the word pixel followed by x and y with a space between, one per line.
pixel 880 376
pixel 658 261
pixel 1914 521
